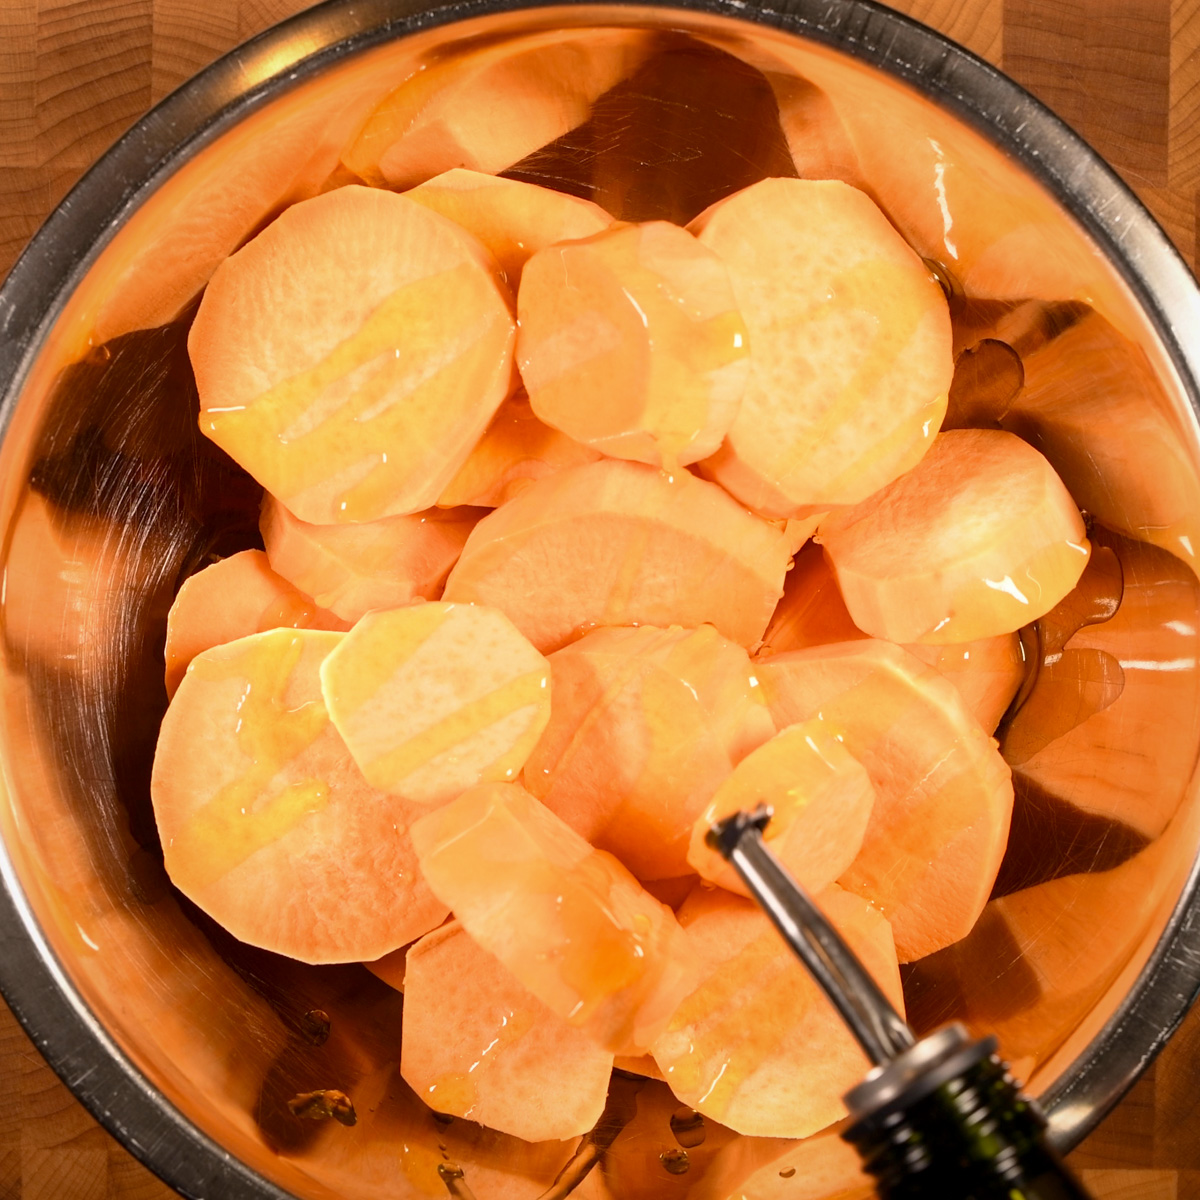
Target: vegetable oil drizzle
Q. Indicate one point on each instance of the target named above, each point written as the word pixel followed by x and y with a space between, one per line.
pixel 453 1176
pixel 675 1162
pixel 241 817
pixel 688 1128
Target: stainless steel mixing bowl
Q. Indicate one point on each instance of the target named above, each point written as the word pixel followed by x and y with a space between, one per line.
pixel 187 1045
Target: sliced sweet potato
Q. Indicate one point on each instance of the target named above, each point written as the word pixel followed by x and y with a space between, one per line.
pixel 351 569
pixel 943 794
pixel 821 800
pixel 645 724
pixel 489 107
pixel 267 824
pixel 434 698
pixel 987 672
pixel 200 215
pixel 234 597
pixel 567 920
pixel 849 344
pixel 631 342
pixel 979 539
pixel 516 449
pixel 757 1046
pixel 514 220
pixel 391 968
pixel 616 543
pixel 638 1064
pixel 478 1045
pixel 351 355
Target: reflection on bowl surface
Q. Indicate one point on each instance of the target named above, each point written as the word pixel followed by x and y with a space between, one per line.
pixel 114 498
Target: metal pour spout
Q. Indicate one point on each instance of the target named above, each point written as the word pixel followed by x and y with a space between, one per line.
pixel 879 1029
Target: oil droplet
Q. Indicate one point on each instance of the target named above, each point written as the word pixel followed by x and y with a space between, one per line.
pixel 319 1106
pixel 787 1172
pixel 314 1025
pixel 675 1162
pixel 688 1127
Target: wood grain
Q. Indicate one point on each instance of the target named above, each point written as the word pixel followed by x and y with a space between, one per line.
pixel 74 74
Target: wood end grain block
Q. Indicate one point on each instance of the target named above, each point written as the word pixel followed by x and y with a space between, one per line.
pixel 1132 1185
pixel 1104 66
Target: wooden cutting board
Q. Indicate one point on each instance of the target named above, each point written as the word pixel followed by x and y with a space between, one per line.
pixel 74 74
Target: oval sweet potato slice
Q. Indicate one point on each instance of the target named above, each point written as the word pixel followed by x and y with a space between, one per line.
pixel 757 1046
pixel 849 346
pixel 987 671
pixel 478 1045
pixel 943 794
pixel 821 800
pixel 351 355
pixel 618 543
pixel 513 219
pixel 631 342
pixel 267 824
pixel 567 920
pixel 377 564
pixel 645 725
pixel 231 599
pixel 435 698
pixel 491 106
pixel 979 539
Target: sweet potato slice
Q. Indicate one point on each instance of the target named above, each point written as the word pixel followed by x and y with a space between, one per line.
pixel 233 598
pixel 821 799
pixel 757 1046
pixel 267 824
pixel 849 343
pixel 645 724
pixel 488 108
pixel 631 342
pixel 478 1045
pixel 391 968
pixel 435 698
pixel 987 672
pixel 567 920
pixel 513 219
pixel 351 355
pixel 943 794
pixel 516 449
pixel 351 569
pixel 979 539
pixel 616 543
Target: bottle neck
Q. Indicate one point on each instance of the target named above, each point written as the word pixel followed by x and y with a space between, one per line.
pixel 972 1137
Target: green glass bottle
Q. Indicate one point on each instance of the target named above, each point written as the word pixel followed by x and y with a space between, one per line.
pixel 945 1119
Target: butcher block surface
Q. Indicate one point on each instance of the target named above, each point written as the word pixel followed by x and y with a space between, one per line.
pixel 74 74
